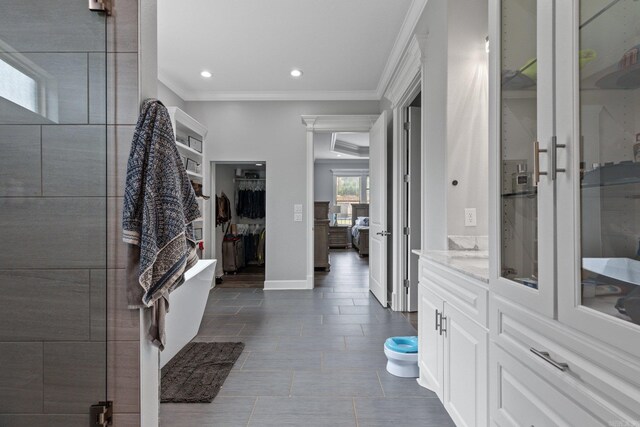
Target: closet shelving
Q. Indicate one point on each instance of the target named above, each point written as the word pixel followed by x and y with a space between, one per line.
pixel 185 128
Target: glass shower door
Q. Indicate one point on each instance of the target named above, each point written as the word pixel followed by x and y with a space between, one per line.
pixel 53 223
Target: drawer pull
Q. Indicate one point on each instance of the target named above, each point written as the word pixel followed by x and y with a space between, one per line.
pixel 545 356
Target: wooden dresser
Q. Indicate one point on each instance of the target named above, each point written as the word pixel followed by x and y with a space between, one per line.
pixel 321 236
pixel 339 236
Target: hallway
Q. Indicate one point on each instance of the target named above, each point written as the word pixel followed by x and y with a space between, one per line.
pixel 312 358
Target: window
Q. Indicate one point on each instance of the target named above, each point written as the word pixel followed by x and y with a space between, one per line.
pixel 18 87
pixel 350 186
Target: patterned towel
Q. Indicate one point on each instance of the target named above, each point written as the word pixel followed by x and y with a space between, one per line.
pixel 159 207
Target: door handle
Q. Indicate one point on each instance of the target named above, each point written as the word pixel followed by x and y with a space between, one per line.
pixel 547 358
pixel 438 319
pixel 384 233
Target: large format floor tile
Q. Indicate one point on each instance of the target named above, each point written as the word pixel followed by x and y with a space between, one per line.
pixel 311 358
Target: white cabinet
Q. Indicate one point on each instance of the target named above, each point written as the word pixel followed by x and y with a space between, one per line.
pixel 565 209
pixel 453 346
pixel 190 140
pixel 465 368
pixel 430 344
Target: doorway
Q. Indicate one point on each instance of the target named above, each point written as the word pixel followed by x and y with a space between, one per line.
pixel 240 232
pixel 341 209
pixel 412 199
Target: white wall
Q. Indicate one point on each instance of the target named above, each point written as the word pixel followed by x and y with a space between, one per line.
pixel 168 97
pixel 467 116
pixel 323 177
pixel 272 132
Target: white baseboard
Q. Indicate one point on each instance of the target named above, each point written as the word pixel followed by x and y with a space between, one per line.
pixel 270 285
pixel 310 282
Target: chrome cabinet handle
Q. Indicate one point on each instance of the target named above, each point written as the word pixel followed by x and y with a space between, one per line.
pixel 438 320
pixel 553 152
pixel 536 161
pixel 554 157
pixel 544 355
pixel 383 233
pixel 443 325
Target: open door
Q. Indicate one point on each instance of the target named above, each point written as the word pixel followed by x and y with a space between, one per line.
pixel 378 234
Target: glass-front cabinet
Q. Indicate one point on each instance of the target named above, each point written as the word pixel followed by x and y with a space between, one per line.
pixel 598 215
pixel 567 135
pixel 524 132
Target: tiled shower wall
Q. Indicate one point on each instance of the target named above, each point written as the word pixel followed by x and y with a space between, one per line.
pixel 61 186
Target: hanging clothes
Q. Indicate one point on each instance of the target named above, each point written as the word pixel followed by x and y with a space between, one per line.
pixel 250 199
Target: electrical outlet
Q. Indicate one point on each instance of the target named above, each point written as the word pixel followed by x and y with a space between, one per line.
pixel 470 217
pixel 297 208
pixel 297 217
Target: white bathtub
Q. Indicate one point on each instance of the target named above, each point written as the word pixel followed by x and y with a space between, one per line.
pixel 186 307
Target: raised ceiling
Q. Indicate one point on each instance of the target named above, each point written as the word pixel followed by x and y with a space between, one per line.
pixel 346 48
pixel 323 146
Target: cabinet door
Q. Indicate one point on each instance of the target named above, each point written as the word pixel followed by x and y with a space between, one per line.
pixel 521 58
pixel 598 214
pixel 430 340
pixel 465 368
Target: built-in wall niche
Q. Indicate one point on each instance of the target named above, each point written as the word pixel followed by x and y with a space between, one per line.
pixel 190 140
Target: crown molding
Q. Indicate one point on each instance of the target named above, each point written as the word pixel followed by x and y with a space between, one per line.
pixel 341 123
pixel 363 95
pixel 344 147
pixel 341 160
pixel 407 70
pixel 400 45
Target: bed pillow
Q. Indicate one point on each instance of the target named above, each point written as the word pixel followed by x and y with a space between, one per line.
pixel 362 221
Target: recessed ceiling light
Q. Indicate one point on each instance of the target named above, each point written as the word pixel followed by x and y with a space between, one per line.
pixel 296 73
pixel 206 74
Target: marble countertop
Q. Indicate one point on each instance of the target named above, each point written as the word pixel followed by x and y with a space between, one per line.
pixel 471 263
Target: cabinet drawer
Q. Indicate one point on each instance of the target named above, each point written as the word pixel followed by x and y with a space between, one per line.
pixel 522 398
pixel 596 377
pixel 468 294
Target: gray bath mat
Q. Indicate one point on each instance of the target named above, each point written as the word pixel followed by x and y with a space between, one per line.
pixel 197 372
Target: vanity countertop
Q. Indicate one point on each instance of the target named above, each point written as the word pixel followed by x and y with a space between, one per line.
pixel 471 263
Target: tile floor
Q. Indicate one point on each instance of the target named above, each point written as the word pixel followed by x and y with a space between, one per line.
pixel 312 358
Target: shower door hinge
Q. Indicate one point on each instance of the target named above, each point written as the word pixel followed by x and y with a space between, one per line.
pixel 407 126
pixel 101 415
pixel 406 231
pixel 100 6
pixel 407 178
pixel 406 283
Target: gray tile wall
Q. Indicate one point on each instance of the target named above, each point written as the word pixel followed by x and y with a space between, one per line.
pixel 63 313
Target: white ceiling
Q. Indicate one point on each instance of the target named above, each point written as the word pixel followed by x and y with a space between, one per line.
pixel 322 145
pixel 346 48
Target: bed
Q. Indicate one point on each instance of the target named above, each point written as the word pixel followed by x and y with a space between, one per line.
pixel 360 232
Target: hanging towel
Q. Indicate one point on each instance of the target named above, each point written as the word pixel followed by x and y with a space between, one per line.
pixel 159 207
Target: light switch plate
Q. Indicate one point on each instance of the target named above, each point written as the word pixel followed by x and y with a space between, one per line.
pixel 297 217
pixel 470 217
pixel 297 209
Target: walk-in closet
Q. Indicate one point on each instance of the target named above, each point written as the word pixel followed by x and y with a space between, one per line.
pixel 240 218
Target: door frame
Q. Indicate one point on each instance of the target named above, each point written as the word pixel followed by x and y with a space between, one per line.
pixel 325 124
pixel 408 82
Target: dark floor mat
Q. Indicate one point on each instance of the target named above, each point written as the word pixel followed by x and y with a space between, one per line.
pixel 197 372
